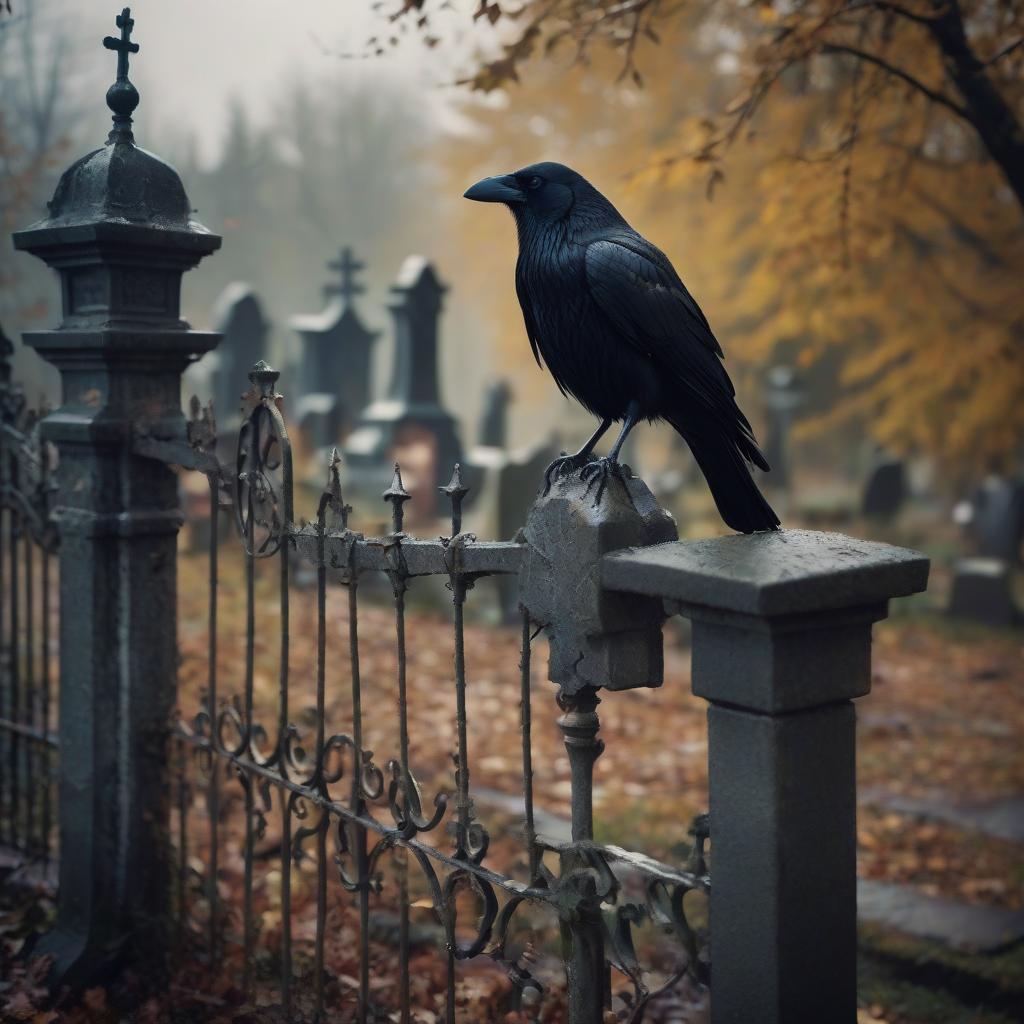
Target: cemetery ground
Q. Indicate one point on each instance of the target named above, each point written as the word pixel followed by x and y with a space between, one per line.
pixel 939 769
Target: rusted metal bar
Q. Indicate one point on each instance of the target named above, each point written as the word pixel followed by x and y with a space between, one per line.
pixel 31 761
pixel 6 720
pixel 14 663
pixel 526 725
pixel 212 704
pixel 358 804
pixel 30 732
pixel 49 738
pixel 281 438
pixel 347 552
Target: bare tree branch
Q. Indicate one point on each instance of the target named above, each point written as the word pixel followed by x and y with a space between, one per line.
pixel 915 83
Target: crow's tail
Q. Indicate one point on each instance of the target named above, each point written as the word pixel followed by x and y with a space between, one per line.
pixel 724 461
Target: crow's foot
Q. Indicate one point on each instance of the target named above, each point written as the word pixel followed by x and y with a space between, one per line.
pixel 597 474
pixel 564 465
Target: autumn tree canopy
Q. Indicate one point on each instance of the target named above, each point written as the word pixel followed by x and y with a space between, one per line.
pixel 866 163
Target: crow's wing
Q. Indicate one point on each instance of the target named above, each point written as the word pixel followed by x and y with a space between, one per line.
pixel 636 288
pixel 524 305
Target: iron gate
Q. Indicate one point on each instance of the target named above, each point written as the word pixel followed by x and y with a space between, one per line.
pixel 334 800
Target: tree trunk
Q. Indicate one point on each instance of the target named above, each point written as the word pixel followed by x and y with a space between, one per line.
pixel 993 118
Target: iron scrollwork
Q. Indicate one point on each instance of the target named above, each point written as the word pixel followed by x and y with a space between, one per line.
pixel 308 770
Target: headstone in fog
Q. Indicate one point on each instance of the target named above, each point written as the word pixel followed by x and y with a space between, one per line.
pixel 238 316
pixel 504 485
pixel 783 396
pixel 997 523
pixel 411 421
pixel 336 352
pixel 318 416
pixel 885 489
pixel 494 418
pixel 983 591
pixel 983 585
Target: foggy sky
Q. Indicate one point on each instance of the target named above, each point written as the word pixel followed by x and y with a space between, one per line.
pixel 215 50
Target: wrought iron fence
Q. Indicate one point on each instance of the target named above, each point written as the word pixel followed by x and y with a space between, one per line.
pixel 781 646
pixel 337 801
pixel 27 612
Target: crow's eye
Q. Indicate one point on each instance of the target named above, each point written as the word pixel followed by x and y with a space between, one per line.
pixel 535 181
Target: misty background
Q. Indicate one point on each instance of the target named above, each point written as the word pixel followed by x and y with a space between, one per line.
pixel 293 139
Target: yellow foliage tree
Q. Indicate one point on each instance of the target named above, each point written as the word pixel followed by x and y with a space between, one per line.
pixel 859 217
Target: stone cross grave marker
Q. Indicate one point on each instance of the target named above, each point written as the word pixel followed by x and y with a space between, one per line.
pixel 336 358
pixel 412 416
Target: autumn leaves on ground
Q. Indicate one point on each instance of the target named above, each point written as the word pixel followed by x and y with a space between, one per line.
pixel 944 719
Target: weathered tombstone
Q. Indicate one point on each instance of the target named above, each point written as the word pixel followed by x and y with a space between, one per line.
pixel 238 317
pixel 885 489
pixel 983 591
pixel 983 585
pixel 504 486
pixel 336 358
pixel 998 521
pixel 494 419
pixel 783 396
pixel 318 415
pixel 411 418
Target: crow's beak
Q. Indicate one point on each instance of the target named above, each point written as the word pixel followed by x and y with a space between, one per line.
pixel 496 190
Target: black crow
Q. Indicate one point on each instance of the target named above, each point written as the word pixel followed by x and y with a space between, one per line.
pixel 620 333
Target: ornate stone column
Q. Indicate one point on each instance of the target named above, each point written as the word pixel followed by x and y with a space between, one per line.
pixel 120 235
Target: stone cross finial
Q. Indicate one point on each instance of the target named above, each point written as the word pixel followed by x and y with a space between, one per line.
pixel 122 96
pixel 347 266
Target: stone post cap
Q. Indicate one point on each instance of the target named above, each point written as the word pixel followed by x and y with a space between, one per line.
pixel 769 574
pixel 598 638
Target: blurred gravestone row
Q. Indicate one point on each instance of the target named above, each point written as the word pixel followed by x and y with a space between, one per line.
pixel 328 370
pixel 328 377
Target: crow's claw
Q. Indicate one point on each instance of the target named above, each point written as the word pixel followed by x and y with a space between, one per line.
pixel 596 474
pixel 563 466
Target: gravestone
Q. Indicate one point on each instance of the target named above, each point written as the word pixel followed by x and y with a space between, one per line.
pixel 783 396
pixel 336 359
pixel 318 415
pixel 238 317
pixel 494 419
pixel 411 423
pixel 983 585
pixel 503 486
pixel 885 489
pixel 998 520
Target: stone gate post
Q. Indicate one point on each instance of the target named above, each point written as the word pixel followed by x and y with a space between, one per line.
pixel 781 645
pixel 119 234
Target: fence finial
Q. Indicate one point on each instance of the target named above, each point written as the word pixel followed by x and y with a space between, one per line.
pixel 398 496
pixel 264 377
pixel 332 496
pixel 122 96
pixel 456 491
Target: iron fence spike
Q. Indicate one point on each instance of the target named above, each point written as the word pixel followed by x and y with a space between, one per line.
pixel 397 495
pixel 455 488
pixel 456 491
